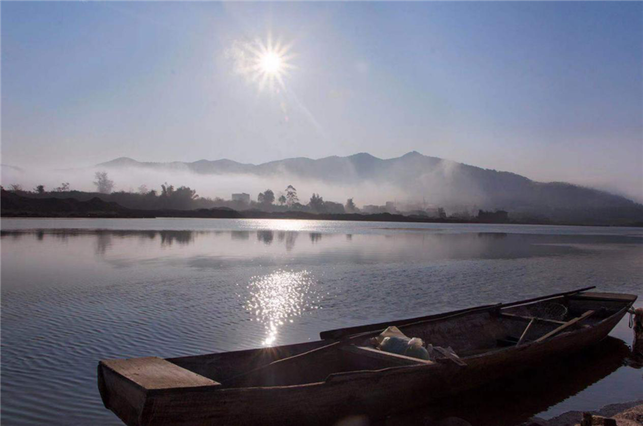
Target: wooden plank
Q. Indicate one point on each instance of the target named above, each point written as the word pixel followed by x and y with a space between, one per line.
pixel 565 326
pixel 389 357
pixel 526 318
pixel 524 333
pixel 450 356
pixel 606 297
pixel 156 373
pixel 551 296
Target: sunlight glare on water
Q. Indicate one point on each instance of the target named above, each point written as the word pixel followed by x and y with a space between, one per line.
pixel 278 297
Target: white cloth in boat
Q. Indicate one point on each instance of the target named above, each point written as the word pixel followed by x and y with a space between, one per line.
pixel 394 341
pixel 416 343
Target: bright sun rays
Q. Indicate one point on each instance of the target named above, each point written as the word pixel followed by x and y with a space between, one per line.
pixel 265 63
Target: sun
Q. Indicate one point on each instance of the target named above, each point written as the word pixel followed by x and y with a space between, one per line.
pixel 265 62
pixel 271 63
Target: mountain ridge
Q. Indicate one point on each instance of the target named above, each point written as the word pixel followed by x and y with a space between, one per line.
pixel 415 176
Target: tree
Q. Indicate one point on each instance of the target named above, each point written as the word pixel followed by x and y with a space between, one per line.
pixel 266 198
pixel 40 189
pixel 103 183
pixel 282 199
pixel 183 197
pixel 316 203
pixel 350 206
pixel 64 187
pixel 15 187
pixel 142 189
pixel 291 196
pixel 333 208
pixel 180 198
pixel 167 190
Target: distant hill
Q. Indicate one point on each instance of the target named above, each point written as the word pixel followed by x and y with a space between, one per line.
pixel 437 181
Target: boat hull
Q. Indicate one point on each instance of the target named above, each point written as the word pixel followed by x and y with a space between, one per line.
pixel 373 394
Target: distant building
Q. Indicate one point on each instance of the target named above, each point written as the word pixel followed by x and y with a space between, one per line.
pixel 390 207
pixel 242 198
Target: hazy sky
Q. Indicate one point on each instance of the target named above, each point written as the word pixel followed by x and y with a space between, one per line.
pixel 553 91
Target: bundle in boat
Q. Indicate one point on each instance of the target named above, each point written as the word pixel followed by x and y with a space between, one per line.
pixel 392 340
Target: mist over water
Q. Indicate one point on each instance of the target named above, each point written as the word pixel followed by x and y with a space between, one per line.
pixel 77 291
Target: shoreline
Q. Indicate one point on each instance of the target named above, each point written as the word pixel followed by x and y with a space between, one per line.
pixel 353 217
pixel 625 414
pixel 17 206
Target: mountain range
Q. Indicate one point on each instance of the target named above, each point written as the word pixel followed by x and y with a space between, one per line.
pixel 432 180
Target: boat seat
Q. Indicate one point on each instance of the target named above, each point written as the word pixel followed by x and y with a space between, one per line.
pixel 154 373
pixel 371 358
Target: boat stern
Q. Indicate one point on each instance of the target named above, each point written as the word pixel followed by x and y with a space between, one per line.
pixel 127 386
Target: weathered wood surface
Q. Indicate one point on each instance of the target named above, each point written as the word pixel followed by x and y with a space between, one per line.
pixel 226 365
pixel 448 355
pixel 156 373
pixel 524 333
pixel 565 326
pixel 526 318
pixel 344 391
pixel 606 296
pixel 387 359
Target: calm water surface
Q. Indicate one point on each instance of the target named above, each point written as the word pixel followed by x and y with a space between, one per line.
pixel 75 291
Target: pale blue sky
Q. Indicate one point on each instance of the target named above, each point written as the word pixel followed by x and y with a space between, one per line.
pixel 553 91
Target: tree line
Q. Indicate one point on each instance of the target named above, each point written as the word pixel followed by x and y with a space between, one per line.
pixel 186 198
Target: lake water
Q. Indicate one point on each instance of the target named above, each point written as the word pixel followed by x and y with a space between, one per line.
pixel 75 291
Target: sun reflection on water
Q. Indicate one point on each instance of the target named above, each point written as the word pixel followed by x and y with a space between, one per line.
pixel 277 298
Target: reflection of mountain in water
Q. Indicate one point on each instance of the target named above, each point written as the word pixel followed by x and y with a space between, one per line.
pixel 514 400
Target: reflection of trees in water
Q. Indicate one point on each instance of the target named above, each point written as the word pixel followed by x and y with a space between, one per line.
pixel 289 237
pixel 104 238
pixel 180 237
pixel 239 235
pixel 315 237
pixel 265 236
pixel 492 235
pixel 103 242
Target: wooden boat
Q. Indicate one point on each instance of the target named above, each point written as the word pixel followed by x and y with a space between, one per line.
pixel 343 375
